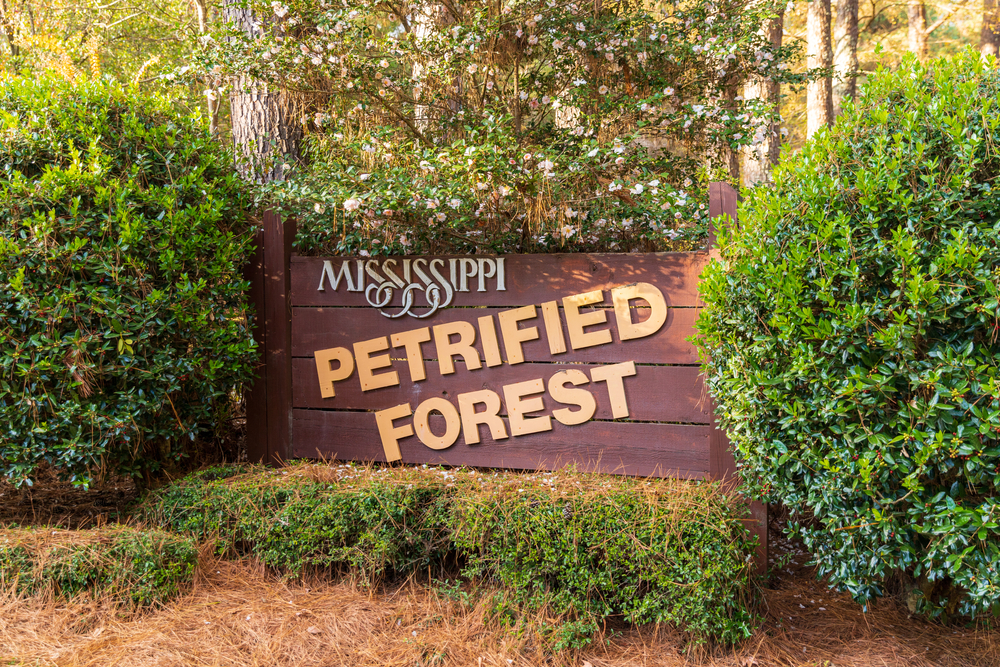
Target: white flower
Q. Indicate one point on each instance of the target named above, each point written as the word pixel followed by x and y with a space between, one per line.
pixel 533 40
pixel 558 44
pixel 519 34
pixel 603 90
pixel 482 186
pixel 609 56
pixel 569 213
pixel 545 99
pixel 279 9
pixel 579 82
pixel 614 187
pixel 471 69
pixel 641 56
pixel 668 91
pixel 383 63
pixel 619 160
pixel 319 208
pixel 567 231
pixel 454 203
pixel 619 149
pixel 637 190
pixel 523 95
pixel 581 44
pixel 654 183
pixel 352 204
pixel 593 152
pixel 546 165
pixel 364 177
pixel 441 217
pixel 581 27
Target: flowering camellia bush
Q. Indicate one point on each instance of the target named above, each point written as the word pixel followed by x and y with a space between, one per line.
pixel 512 126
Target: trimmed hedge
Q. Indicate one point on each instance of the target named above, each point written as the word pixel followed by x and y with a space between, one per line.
pixel 852 327
pixel 136 568
pixel 583 547
pixel 123 236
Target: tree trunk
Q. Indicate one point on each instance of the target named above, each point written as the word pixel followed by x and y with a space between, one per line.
pixel 916 32
pixel 989 38
pixel 845 57
pixel 819 93
pixel 760 158
pixel 265 134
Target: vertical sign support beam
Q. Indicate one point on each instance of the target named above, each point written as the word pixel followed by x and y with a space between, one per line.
pixel 269 401
pixel 722 201
pixel 278 237
pixel 255 393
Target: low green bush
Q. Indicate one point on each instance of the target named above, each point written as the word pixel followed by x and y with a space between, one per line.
pixel 852 326
pixel 582 548
pixel 123 317
pixel 311 516
pixel 136 568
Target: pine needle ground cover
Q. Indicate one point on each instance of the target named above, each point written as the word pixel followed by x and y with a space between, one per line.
pixel 128 567
pixel 582 548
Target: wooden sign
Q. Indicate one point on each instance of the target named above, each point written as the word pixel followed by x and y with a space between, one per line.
pixel 523 361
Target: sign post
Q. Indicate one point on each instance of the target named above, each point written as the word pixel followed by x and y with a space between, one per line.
pixel 518 361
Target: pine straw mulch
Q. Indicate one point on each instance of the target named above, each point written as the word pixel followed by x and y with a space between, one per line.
pixel 239 614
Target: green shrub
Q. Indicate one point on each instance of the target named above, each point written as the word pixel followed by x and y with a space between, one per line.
pixel 852 327
pixel 136 568
pixel 312 517
pixel 122 240
pixel 588 547
pixel 581 548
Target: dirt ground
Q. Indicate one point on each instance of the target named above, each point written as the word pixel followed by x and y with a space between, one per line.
pixel 239 615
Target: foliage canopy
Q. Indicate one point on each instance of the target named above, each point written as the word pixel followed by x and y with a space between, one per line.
pixel 524 126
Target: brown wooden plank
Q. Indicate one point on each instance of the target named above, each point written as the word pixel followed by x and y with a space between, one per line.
pixel 529 279
pixel 320 328
pixel 655 393
pixel 663 450
pixel 278 238
pixel 255 392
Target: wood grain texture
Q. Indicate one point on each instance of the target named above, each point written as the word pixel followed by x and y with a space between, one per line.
pixel 320 328
pixel 530 279
pixel 655 393
pixel 612 447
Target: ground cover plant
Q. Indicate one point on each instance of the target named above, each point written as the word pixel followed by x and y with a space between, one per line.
pixel 583 548
pixel 130 568
pixel 122 242
pixel 853 331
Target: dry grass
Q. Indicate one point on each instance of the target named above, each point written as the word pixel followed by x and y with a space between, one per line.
pixel 238 614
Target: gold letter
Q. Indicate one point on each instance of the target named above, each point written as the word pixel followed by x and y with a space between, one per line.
pixel 327 376
pixel 627 330
pixel 446 350
pixel 576 321
pixel 392 435
pixel 512 336
pixel 490 416
pixel 421 423
pixel 553 327
pixel 411 340
pixel 368 363
pixel 488 335
pixel 613 375
pixel 580 397
pixel 517 408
